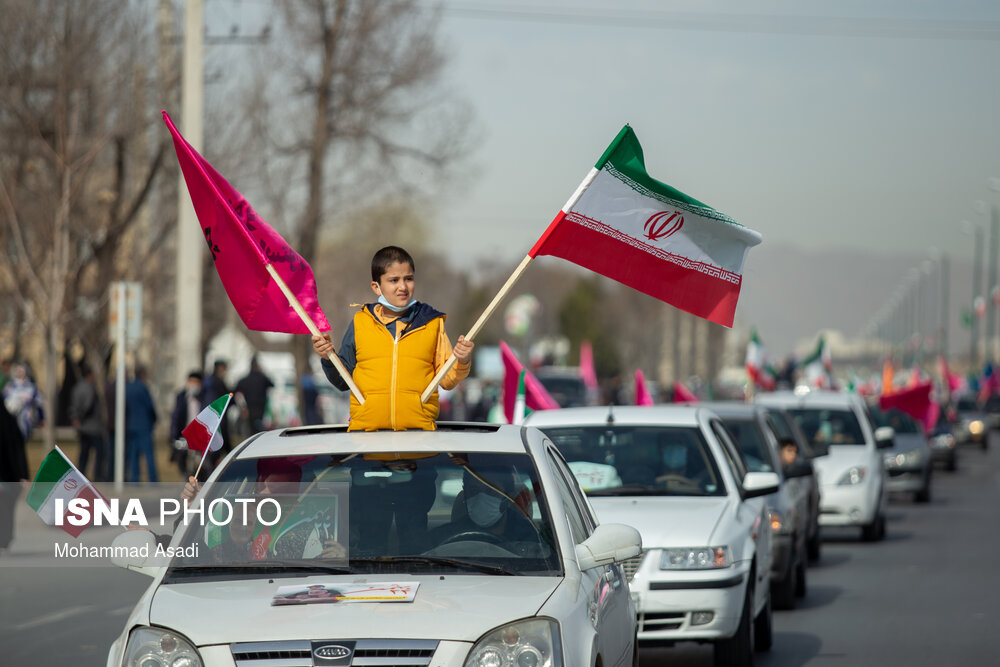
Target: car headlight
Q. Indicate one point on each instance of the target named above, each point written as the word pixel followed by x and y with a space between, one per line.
pixel 695 558
pixel 533 642
pixel 855 475
pixel 975 427
pixel 157 647
pixel 910 458
pixel 944 441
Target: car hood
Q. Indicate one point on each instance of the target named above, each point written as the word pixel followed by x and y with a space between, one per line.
pixel 906 442
pixel 665 521
pixel 456 608
pixel 841 458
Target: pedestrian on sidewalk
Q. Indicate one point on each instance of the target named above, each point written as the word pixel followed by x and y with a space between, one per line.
pixel 88 420
pixel 140 418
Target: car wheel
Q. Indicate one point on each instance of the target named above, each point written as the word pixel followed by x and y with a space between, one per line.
pixel 983 443
pixel 800 580
pixel 813 546
pixel 635 650
pixel 874 531
pixel 952 464
pixel 737 651
pixel 924 494
pixel 783 592
pixel 763 628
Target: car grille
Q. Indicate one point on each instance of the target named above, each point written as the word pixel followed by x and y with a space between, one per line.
pixel 651 622
pixel 371 652
pixel 631 566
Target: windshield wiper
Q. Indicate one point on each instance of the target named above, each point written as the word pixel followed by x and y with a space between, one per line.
pixel 438 560
pixel 259 567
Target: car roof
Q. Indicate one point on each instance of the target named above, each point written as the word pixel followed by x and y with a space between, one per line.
pixel 734 409
pixel 660 415
pixel 450 437
pixel 820 398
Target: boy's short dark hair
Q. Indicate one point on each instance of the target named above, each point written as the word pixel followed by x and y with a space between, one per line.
pixel 388 256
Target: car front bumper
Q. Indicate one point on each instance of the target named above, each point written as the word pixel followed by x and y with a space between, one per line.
pixel 666 602
pixel 904 480
pixel 848 505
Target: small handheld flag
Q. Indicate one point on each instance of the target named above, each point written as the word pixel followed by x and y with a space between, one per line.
pixel 59 480
pixel 535 395
pixel 202 434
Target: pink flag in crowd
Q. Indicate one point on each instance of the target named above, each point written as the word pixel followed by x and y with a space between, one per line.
pixel 642 395
pixel 682 394
pixel 243 245
pixel 535 395
pixel 587 372
pixel 914 401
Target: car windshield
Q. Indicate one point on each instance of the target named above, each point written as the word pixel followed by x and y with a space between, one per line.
pixel 786 429
pixel 751 443
pixel 830 426
pixel 393 512
pixel 899 421
pixel 568 392
pixel 967 405
pixel 640 460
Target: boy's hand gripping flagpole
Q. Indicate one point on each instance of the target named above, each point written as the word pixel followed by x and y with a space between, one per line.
pixel 507 286
pixel 245 250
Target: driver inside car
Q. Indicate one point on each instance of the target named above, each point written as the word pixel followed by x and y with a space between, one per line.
pixel 482 513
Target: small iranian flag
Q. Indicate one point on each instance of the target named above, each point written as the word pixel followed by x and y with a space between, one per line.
pixel 202 434
pixel 59 479
pixel 520 404
pixel 816 367
pixel 760 372
pixel 626 225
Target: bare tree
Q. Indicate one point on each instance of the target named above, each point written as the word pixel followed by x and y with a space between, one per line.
pixel 352 110
pixel 76 169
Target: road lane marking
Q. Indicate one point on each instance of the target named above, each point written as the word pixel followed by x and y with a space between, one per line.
pixel 54 617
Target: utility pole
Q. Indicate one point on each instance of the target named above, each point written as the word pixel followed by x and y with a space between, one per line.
pixel 190 245
pixel 943 326
pixel 977 270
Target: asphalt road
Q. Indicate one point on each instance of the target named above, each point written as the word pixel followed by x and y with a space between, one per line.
pixel 927 595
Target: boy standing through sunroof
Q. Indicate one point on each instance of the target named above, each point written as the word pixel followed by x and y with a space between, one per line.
pixel 392 349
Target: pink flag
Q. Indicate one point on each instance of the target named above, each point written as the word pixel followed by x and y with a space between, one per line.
pixel 587 372
pixel 642 396
pixel 914 401
pixel 242 245
pixel 535 395
pixel 682 394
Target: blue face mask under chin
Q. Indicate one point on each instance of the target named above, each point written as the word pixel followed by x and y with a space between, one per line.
pixel 396 309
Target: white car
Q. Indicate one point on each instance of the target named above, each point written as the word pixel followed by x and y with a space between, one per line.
pixel 853 489
pixel 676 475
pixel 469 546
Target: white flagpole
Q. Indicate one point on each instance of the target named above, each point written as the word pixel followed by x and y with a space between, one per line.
pixel 300 311
pixel 570 203
pixel 208 447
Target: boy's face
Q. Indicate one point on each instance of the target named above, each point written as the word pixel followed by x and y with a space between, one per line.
pixel 396 284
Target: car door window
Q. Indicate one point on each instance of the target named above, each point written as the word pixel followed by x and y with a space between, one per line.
pixel 731 452
pixel 578 523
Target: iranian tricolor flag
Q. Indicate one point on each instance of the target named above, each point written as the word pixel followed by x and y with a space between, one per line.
pixel 202 434
pixel 628 226
pixel 59 479
pixel 760 372
pixel 817 366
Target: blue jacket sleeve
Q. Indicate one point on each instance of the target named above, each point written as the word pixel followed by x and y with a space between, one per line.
pixel 348 355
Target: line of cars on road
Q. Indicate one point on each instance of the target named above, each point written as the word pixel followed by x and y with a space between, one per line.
pixel 574 540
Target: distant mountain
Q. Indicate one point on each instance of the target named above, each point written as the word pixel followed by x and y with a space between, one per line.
pixel 791 293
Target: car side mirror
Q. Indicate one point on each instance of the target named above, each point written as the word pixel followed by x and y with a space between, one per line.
pixel 760 484
pixel 885 437
pixel 136 550
pixel 798 468
pixel 609 543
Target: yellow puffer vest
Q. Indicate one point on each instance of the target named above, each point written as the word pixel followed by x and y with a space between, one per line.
pixel 392 374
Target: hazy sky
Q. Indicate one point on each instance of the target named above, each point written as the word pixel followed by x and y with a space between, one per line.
pixel 870 125
pixel 823 125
